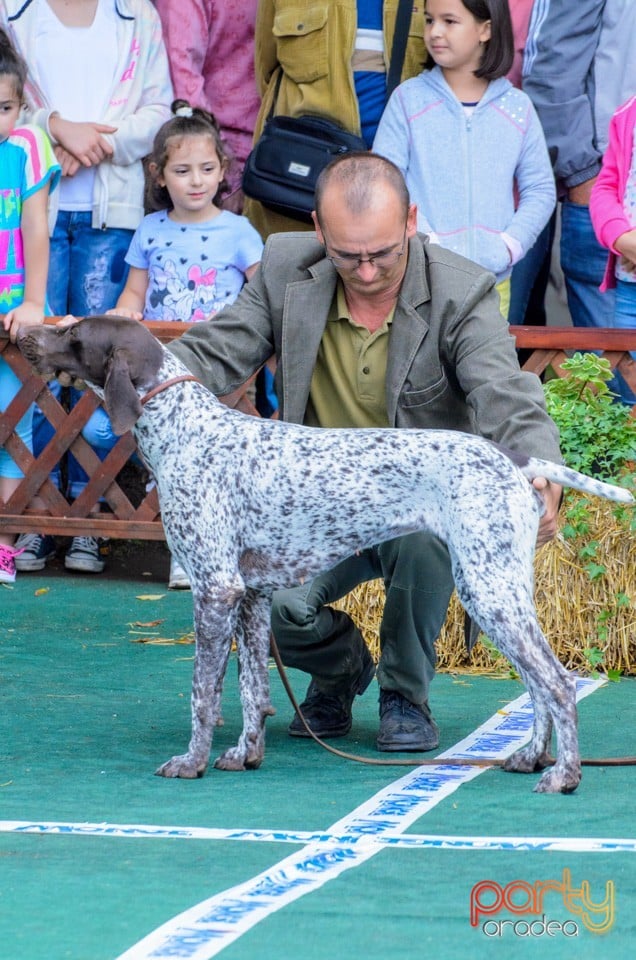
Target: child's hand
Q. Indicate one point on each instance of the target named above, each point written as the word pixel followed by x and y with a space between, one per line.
pixel 124 312
pixel 85 141
pixel 26 315
pixel 551 493
pixel 67 321
pixel 69 164
pixel 626 246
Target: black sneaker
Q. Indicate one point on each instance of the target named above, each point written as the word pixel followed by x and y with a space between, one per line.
pixel 35 549
pixel 329 714
pixel 87 555
pixel 405 726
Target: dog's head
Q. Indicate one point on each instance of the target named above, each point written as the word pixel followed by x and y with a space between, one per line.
pixel 115 356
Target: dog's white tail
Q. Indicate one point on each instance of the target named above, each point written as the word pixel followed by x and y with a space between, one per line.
pixel 572 478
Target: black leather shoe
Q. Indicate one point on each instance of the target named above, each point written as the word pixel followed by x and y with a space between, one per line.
pixel 329 714
pixel 404 726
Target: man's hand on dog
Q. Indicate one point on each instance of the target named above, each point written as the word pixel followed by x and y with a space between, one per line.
pixel 551 494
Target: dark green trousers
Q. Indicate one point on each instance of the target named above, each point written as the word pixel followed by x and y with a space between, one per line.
pixel 326 643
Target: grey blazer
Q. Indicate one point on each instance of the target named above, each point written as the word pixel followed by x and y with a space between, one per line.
pixel 451 361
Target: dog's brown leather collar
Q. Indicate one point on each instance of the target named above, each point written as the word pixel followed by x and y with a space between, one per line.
pixel 164 386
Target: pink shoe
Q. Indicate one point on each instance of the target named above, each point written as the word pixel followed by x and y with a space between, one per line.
pixel 7 563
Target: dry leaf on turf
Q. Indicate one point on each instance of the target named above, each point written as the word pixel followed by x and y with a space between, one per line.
pixel 164 641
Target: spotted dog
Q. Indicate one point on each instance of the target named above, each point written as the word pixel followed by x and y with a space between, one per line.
pixel 253 505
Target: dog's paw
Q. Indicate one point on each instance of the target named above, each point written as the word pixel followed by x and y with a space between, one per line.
pixel 185 766
pixel 526 760
pixel 235 759
pixel 559 781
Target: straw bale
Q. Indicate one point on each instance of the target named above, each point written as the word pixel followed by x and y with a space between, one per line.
pixel 588 622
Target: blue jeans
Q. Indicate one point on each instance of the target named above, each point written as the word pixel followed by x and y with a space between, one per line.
pixel 583 262
pixel 529 281
pixel 87 269
pixel 97 432
pixel 625 319
pixel 9 387
pixel 266 399
pixel 87 272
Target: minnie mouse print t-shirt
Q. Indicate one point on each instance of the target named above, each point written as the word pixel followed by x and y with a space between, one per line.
pixel 194 269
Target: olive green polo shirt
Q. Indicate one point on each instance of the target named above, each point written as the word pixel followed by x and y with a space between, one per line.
pixel 348 385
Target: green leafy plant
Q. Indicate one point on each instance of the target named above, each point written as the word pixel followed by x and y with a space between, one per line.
pixel 498 658
pixel 577 521
pixel 598 435
pixel 594 657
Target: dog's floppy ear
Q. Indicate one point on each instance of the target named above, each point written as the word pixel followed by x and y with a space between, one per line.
pixel 120 397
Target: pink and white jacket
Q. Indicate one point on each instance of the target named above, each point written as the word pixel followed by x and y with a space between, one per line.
pixel 138 104
pixel 606 202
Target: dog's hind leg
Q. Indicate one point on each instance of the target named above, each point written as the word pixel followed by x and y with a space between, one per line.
pixel 508 617
pixel 215 622
pixel 554 701
pixel 553 693
pixel 252 640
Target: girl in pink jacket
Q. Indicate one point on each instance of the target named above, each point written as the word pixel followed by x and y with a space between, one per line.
pixel 613 213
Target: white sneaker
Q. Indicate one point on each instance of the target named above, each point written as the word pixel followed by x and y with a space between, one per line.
pixel 178 577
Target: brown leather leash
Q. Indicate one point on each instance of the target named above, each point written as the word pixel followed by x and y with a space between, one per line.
pixel 427 761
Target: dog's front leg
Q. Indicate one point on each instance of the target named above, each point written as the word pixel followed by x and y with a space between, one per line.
pixel 252 640
pixel 214 621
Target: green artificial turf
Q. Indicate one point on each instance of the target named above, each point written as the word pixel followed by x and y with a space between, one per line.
pixel 88 713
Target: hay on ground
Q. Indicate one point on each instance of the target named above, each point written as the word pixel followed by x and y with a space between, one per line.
pixel 585 597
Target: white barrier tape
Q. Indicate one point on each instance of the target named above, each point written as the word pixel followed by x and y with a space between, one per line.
pixel 560 844
pixel 131 831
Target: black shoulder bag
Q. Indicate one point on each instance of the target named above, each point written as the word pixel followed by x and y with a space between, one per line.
pixel 282 169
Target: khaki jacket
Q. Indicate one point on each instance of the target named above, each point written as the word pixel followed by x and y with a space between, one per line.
pixel 312 44
pixel 451 359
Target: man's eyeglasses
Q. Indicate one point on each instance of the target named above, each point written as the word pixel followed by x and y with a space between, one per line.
pixel 351 261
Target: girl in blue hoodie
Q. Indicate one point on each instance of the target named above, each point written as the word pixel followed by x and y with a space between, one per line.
pixel 469 144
